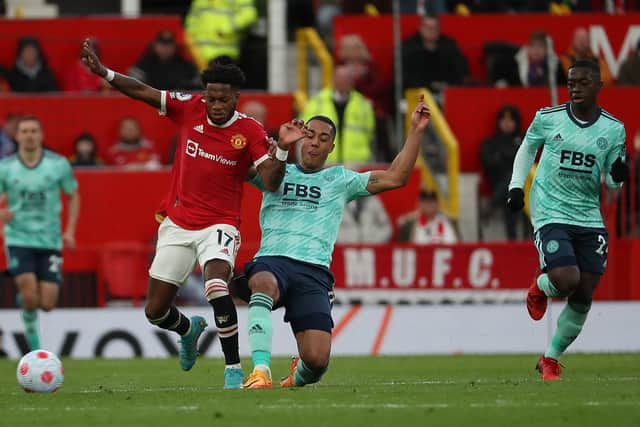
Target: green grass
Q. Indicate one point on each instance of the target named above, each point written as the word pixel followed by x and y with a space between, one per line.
pixel 596 390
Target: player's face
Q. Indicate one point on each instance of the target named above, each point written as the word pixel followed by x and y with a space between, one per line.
pixel 29 135
pixel 220 100
pixel 583 87
pixel 316 145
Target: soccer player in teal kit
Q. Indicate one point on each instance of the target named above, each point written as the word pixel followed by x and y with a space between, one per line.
pixel 299 225
pixel 581 142
pixel 32 179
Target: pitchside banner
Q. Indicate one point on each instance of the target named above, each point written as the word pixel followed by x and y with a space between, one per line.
pixel 456 272
pixel 359 330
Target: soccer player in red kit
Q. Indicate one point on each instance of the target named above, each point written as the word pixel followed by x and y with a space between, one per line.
pixel 216 147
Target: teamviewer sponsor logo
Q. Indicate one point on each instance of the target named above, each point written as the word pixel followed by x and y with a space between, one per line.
pixel 192 148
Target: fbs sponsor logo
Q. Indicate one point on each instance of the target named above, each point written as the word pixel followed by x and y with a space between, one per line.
pixel 193 150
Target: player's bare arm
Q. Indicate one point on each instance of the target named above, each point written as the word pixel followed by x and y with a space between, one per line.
pixel 129 86
pixel 400 170
pixel 72 219
pixel 272 170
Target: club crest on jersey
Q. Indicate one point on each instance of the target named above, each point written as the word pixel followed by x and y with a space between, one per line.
pixel 238 141
pixel 602 143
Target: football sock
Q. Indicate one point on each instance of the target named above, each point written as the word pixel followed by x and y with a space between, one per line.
pixel 226 318
pixel 305 375
pixel 570 324
pixel 545 285
pixel 31 328
pixel 260 329
pixel 173 320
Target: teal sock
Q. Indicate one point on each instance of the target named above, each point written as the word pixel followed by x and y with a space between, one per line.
pixel 545 285
pixel 31 328
pixel 305 375
pixel 570 324
pixel 260 329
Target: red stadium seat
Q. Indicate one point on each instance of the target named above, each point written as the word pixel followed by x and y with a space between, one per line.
pixel 123 270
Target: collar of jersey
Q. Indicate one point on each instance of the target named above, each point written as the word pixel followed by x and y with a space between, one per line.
pixel 227 123
pixel 577 122
pixel 301 169
pixel 26 166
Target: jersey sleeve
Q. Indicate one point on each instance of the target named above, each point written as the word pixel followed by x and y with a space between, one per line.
pixel 259 146
pixel 526 154
pixel 175 104
pixel 356 184
pixel 618 150
pixel 68 182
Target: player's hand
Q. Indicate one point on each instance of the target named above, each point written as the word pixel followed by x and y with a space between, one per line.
pixel 91 60
pixel 6 216
pixel 420 116
pixel 69 240
pixel 619 171
pixel 273 144
pixel 290 132
pixel 515 199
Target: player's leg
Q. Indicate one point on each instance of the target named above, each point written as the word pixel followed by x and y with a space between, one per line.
pixel 265 278
pixel 217 247
pixel 314 348
pixel 27 285
pixel 22 267
pixel 172 264
pixel 560 276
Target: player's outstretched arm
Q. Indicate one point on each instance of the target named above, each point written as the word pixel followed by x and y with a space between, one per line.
pixel 131 87
pixel 400 170
pixel 272 170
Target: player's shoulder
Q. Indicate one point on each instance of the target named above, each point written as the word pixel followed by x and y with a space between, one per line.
pixel 50 156
pixel 553 110
pixel 9 160
pixel 248 123
pixel 185 96
pixel 608 117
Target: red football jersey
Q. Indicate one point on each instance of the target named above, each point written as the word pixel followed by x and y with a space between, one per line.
pixel 210 164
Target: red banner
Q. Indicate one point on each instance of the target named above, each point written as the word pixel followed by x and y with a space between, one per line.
pixel 494 266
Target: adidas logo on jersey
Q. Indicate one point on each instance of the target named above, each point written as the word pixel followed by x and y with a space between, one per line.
pixel 225 251
pixel 199 128
pixel 558 138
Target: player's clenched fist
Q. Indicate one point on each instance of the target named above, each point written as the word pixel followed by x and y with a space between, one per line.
pixel 619 170
pixel 515 199
pixel 91 60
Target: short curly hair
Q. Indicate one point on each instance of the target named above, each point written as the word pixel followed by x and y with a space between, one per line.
pixel 224 72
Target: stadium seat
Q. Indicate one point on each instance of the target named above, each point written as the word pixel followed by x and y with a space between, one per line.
pixel 123 270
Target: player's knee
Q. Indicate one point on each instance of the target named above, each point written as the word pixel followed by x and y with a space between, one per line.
pixel 566 281
pixel 317 361
pixel 29 301
pixel 47 306
pixel 264 284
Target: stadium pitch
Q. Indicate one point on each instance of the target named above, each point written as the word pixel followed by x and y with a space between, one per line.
pixel 469 390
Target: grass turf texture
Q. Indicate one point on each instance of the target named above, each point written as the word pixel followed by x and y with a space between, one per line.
pixel 596 390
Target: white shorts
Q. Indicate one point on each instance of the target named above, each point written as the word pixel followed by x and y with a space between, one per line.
pixel 178 249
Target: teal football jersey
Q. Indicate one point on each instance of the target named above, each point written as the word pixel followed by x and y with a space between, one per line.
pixel 566 186
pixel 301 219
pixel 33 195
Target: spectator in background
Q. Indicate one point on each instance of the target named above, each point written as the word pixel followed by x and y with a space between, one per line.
pixel 630 70
pixel 85 151
pixel 351 112
pixel 496 156
pixel 8 143
pixel 163 66
pixel 31 73
pixel 365 220
pixel 78 78
pixel 369 81
pixel 132 151
pixel 216 27
pixel 427 225
pixel 535 64
pixel 432 60
pixel 581 49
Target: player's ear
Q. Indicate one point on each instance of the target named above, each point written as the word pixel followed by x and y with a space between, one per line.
pixel 333 145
